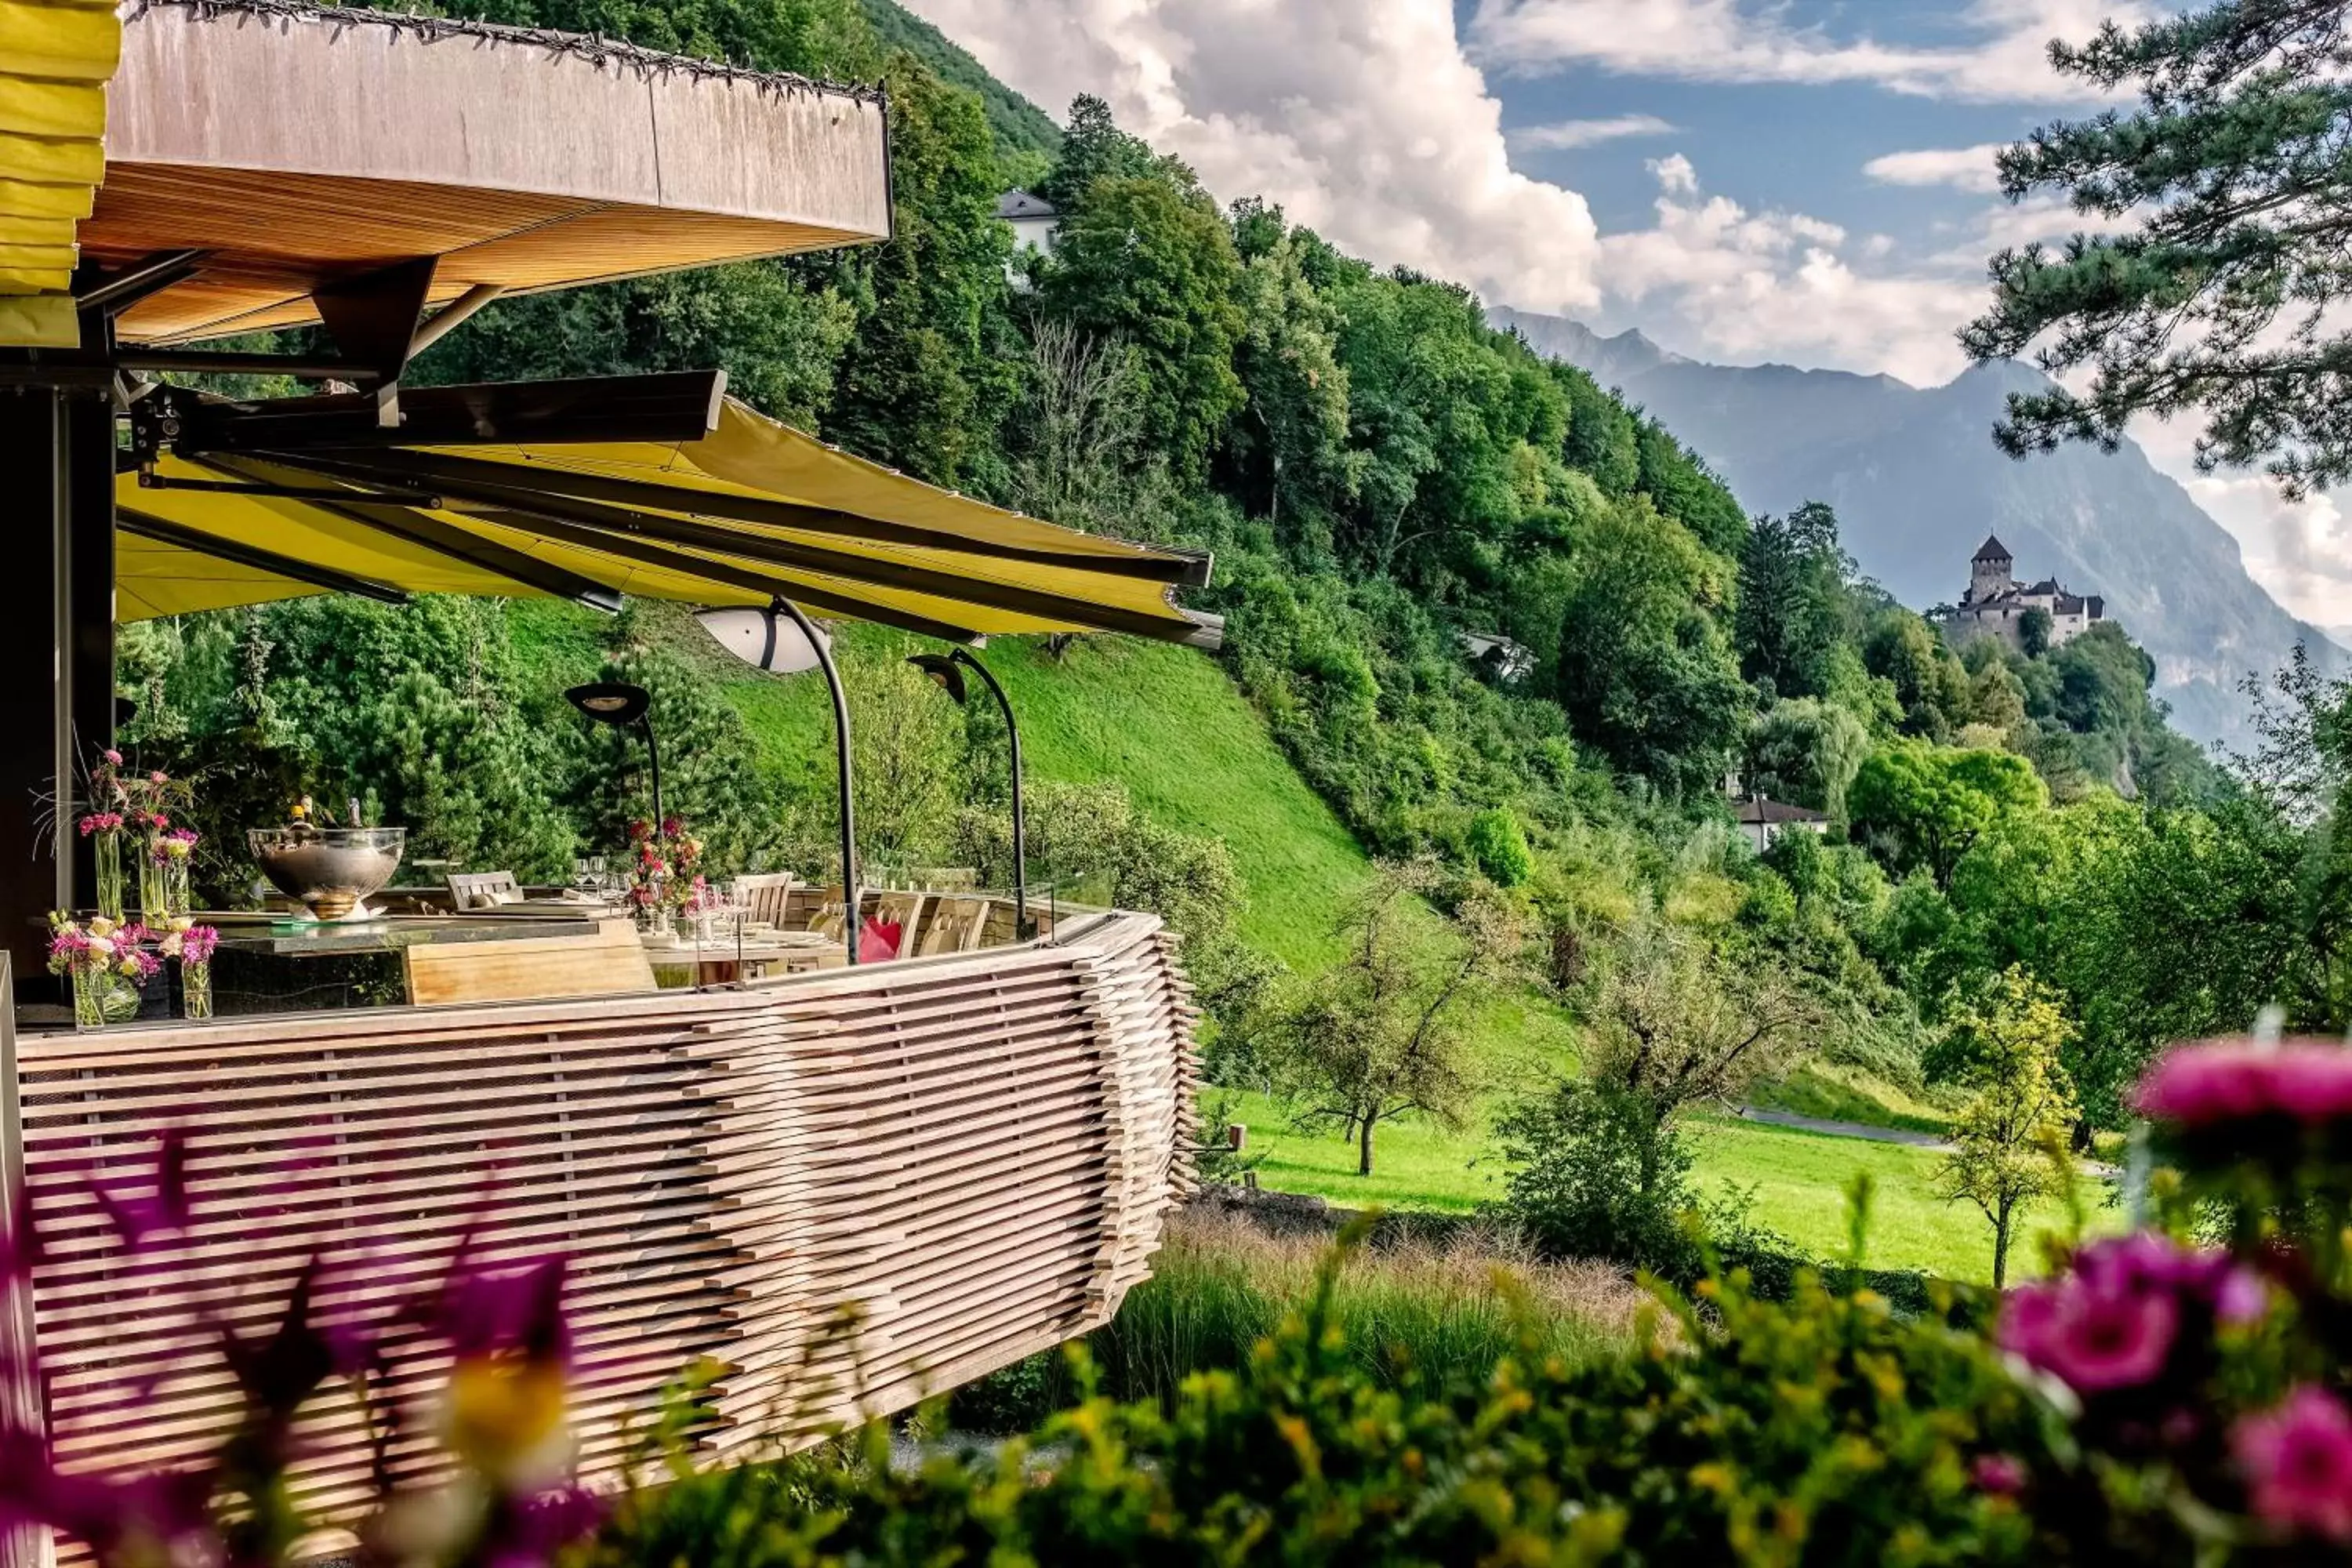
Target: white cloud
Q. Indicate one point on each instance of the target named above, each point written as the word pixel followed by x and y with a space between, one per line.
pixel 1363 118
pixel 1722 283
pixel 1962 168
pixel 2301 552
pixel 2002 56
pixel 1566 134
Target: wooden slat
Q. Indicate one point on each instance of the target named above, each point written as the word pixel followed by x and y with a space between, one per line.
pixel 973 1153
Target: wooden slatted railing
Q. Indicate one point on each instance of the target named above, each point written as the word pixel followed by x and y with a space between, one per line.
pixel 847 1189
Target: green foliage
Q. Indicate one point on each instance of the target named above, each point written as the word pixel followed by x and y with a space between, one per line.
pixel 1498 849
pixel 1379 1035
pixel 2006 1141
pixel 1827 1429
pixel 1927 806
pixel 1793 601
pixel 1151 265
pixel 925 379
pixel 1595 1175
pixel 1027 141
pixel 2222 195
pixel 1806 751
pixel 1645 673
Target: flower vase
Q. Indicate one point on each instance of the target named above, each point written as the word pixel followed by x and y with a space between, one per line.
pixel 91 983
pixel 176 900
pixel 106 852
pixel 155 898
pixel 197 990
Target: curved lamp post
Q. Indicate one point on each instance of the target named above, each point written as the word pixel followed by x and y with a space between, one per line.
pixel 944 668
pixel 781 639
pixel 620 704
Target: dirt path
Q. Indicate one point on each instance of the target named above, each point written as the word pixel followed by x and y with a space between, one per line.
pixel 1861 1130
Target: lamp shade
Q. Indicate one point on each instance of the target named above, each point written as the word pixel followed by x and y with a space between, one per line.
pixel 763 639
pixel 611 702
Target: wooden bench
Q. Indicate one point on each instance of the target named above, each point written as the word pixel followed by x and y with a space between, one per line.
pixel 607 960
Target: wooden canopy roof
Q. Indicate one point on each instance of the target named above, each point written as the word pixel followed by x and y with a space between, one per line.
pixel 294 145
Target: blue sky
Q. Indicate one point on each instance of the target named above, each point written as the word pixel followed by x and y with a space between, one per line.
pixel 1799 181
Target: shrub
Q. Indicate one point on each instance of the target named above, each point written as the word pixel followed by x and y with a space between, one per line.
pixel 1595 1175
pixel 1499 849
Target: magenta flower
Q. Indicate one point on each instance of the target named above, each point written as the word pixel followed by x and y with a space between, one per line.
pixel 2149 1260
pixel 2000 1474
pixel 113 758
pixel 2203 1084
pixel 2095 1336
pixel 2298 1464
pixel 520 1310
pixel 166 1210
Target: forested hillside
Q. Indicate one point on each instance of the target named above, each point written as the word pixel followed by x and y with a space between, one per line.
pixel 1915 473
pixel 1379 472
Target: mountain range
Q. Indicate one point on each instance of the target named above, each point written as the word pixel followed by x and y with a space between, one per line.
pixel 1918 484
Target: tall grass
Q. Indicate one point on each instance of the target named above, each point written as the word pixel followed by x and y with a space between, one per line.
pixel 1439 1313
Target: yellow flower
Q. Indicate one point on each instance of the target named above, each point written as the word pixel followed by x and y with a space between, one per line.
pixel 504 1415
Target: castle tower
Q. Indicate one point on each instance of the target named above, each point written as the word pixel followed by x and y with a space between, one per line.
pixel 1988 573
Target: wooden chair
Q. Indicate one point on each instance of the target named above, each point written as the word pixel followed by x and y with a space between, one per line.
pixel 607 960
pixel 766 897
pixel 830 914
pixel 483 889
pixel 957 925
pixel 907 911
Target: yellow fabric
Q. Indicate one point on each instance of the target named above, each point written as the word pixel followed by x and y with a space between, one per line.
pixel 759 459
pixel 153 580
pixel 56 59
pixel 39 319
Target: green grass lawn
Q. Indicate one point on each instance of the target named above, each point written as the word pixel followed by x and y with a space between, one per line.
pixel 1163 721
pixel 1800 1181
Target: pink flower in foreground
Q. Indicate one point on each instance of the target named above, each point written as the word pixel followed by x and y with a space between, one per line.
pixel 2093 1336
pixel 1999 1474
pixel 2297 1462
pixel 2202 1084
pixel 2149 1260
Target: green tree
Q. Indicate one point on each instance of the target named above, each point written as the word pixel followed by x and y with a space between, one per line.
pixel 923 379
pixel 1930 684
pixel 1095 149
pixel 1792 617
pixel 1645 672
pixel 2232 191
pixel 1674 1025
pixel 1291 442
pixel 1924 805
pixel 1153 267
pixel 1600 441
pixel 2033 631
pixel 2008 1142
pixel 1379 1035
pixel 1806 751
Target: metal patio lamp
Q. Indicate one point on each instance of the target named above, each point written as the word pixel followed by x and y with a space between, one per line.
pixel 620 704
pixel 782 640
pixel 947 669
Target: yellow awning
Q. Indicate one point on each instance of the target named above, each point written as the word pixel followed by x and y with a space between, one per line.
pixel 56 57
pixel 753 511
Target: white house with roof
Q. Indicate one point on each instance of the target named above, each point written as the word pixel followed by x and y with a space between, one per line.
pixel 1995 603
pixel 1034 219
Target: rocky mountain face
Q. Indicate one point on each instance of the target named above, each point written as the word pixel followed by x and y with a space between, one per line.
pixel 1918 484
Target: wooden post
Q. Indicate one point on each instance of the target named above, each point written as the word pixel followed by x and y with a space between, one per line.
pixel 36 719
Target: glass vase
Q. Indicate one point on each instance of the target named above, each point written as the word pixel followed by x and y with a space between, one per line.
pixel 106 852
pixel 197 989
pixel 155 899
pixel 177 902
pixel 89 986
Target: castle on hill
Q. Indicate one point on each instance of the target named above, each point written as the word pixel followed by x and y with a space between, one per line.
pixel 1996 604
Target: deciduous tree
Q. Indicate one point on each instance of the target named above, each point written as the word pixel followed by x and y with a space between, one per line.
pixel 1379 1035
pixel 2009 1142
